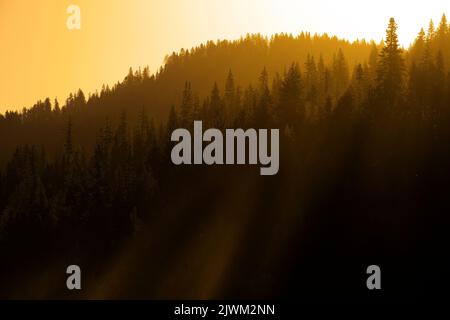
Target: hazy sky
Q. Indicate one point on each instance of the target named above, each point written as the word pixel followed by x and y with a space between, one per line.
pixel 40 57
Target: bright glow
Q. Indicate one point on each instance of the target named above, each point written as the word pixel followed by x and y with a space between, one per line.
pixel 39 57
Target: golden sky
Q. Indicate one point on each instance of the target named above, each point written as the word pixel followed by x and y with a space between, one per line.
pixel 40 57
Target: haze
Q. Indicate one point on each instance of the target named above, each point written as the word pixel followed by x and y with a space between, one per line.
pixel 40 57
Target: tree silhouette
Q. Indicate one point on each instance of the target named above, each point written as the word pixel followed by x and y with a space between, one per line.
pixel 390 75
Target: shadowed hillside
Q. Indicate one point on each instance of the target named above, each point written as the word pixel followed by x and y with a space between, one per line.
pixel 364 176
pixel 201 66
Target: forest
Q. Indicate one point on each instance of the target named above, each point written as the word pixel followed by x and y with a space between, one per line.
pixel 364 174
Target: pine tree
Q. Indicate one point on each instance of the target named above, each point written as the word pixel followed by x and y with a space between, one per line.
pixel 443 39
pixel 427 55
pixel 139 142
pixel 391 69
pixel 439 84
pixel 196 111
pixel 357 86
pixel 187 106
pixel 322 86
pixel 68 144
pixel 172 122
pixel 310 73
pixel 442 30
pixel 216 108
pixel 80 99
pixel 129 79
pixel 340 74
pixel 291 109
pixel 146 74
pixel 264 102
pixel 230 96
pixel 431 31
pixel 373 60
pixel 249 105
pixel 121 137
pixel 56 108
pixel 418 48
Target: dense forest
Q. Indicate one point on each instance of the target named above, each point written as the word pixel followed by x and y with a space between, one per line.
pixel 201 66
pixel 364 174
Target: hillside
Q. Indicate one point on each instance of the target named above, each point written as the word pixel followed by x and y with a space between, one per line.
pixel 364 176
pixel 45 122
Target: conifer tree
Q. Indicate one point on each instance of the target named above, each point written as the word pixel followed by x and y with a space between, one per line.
pixel 390 75
pixel 187 105
pixel 264 101
pixel 230 92
pixel 56 107
pixel 340 74
pixel 216 108
pixel 442 29
pixel 291 108
pixel 172 122
pixel 418 47
pixel 431 31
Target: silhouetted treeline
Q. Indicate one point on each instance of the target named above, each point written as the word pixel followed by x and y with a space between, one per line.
pixel 201 66
pixel 365 155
